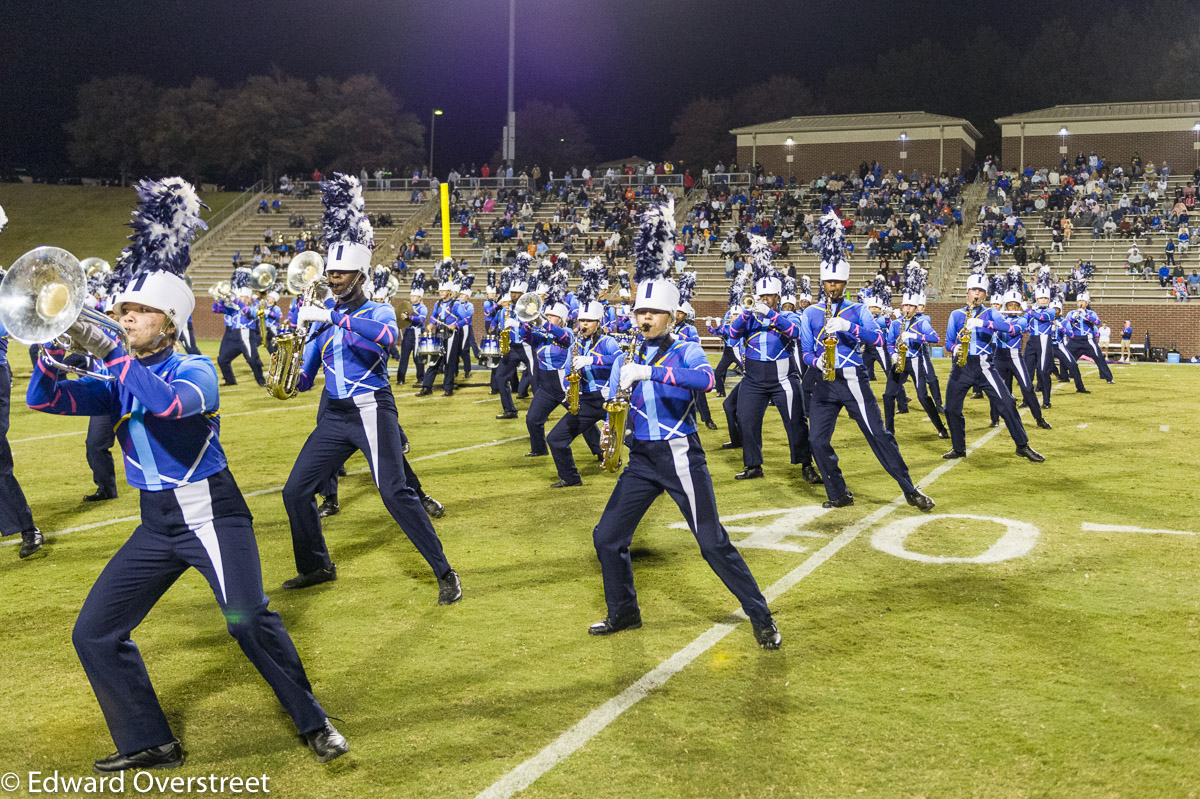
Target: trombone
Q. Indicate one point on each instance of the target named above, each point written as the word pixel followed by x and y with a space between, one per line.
pixel 42 296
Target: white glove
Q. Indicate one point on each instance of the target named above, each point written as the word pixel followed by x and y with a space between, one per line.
pixel 762 309
pixel 582 361
pixel 837 325
pixel 91 337
pixel 632 373
pixel 974 323
pixel 911 335
pixel 313 313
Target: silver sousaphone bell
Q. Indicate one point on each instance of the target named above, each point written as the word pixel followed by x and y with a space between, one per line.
pixel 41 297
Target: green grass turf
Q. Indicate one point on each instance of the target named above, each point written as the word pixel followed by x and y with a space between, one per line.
pixel 86 220
pixel 1070 671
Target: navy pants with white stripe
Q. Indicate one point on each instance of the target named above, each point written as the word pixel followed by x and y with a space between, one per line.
pixel 507 376
pixel 895 388
pixel 1009 366
pixel 205 526
pixel 1037 363
pixel 775 382
pixel 236 342
pixel 548 396
pixel 931 378
pixel 678 467
pixel 408 343
pixel 100 440
pixel 851 391
pixel 728 359
pixel 981 372
pixel 365 422
pixel 571 425
pixel 730 406
pixel 15 516
pixel 1079 346
pixel 1068 367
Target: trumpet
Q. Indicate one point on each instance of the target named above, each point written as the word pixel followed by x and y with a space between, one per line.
pixel 95 266
pixel 221 292
pixel 528 308
pixel 42 297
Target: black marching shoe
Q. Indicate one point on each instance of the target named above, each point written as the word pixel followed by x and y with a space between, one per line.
pixel 767 634
pixel 424 392
pixel 31 543
pixel 565 484
pixel 730 445
pixel 629 620
pixel 327 742
pixel 710 424
pixel 750 473
pixel 1042 423
pixel 329 507
pixel 432 507
pixel 943 434
pixel 449 588
pixel 448 392
pixel 166 756
pixel 536 454
pixel 507 415
pixel 314 577
pixel 954 453
pixel 995 423
pixel 1046 405
pixel 919 500
pixel 1110 382
pixel 100 496
pixel 1083 391
pixel 1030 453
pixel 844 501
pixel 811 475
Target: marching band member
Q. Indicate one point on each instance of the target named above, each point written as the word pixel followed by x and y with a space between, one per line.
pixel 915 333
pixel 1039 347
pixel 193 514
pixel 415 321
pixel 1009 363
pixel 664 450
pixel 808 375
pixel 236 340
pixel 101 436
pixel 871 299
pixel 931 377
pixel 1065 366
pixel 833 316
pixel 352 345
pixel 552 342
pixel 770 376
pixel 592 359
pixel 730 406
pixel 978 326
pixel 721 328
pixel 491 320
pixel 464 340
pixel 272 315
pixel 617 319
pixel 444 322
pixel 685 329
pixel 518 352
pixel 1081 326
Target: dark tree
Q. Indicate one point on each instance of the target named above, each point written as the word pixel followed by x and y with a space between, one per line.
pixel 113 116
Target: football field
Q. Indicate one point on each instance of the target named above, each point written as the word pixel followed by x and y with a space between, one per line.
pixel 1037 634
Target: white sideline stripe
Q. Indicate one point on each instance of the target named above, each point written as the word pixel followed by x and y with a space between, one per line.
pixel 273 489
pixel 489 399
pixel 1081 426
pixel 573 739
pixel 1124 528
pixel 1164 428
pixel 43 438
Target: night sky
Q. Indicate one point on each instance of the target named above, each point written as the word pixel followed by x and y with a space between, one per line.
pixel 627 66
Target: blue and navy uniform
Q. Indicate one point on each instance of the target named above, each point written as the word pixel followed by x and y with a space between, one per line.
pixel 728 353
pixel 665 455
pixel 979 372
pixel 15 515
pixel 463 343
pixel 1010 365
pixel 1038 349
pixel 688 332
pixel 851 390
pixel 593 380
pixel 236 341
pixel 872 355
pixel 445 315
pixel 618 319
pixel 193 515
pixel 931 377
pixel 358 413
pixel 1066 366
pixel 552 344
pixel 518 353
pixel 913 367
pixel 770 377
pixel 408 342
pixel 1081 327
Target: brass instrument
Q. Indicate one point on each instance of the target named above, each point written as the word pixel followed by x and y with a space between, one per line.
pixel 305 277
pixel 221 292
pixel 612 435
pixel 392 288
pixel 262 277
pixel 95 266
pixel 42 296
pixel 830 342
pixel 964 339
pixel 573 379
pixel 748 303
pixel 505 341
pixel 528 308
pixel 901 349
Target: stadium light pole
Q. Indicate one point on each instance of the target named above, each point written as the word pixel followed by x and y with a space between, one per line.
pixel 1196 144
pixel 510 130
pixel 903 146
pixel 1062 149
pixel 790 143
pixel 433 115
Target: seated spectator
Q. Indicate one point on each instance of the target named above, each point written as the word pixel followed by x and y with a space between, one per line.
pixel 263 207
pixel 1181 290
pixel 1164 275
pixel 1194 283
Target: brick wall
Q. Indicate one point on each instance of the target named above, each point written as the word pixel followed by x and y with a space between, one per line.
pixel 1171 325
pixel 1173 147
pixel 813 160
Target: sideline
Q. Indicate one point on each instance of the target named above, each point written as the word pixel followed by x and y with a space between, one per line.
pixel 569 742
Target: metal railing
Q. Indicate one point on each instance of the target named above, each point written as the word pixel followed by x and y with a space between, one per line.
pixel 223 215
pixel 495 183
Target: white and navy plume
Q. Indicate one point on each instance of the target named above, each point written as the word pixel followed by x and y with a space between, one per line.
pixel 1044 280
pixel 789 287
pixel 591 275
pixel 805 287
pixel 623 279
pixel 914 280
pixel 502 287
pixel 761 258
pixel 737 289
pixel 687 286
pixel 418 281
pixel 465 282
pixel 166 218
pixel 491 280
pixel 654 247
pixel 345 211
pixel 1014 280
pixel 830 239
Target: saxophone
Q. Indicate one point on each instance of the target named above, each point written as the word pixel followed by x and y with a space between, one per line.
pixel 284 372
pixel 262 319
pixel 964 339
pixel 830 342
pixel 612 436
pixel 505 341
pixel 573 380
pixel 901 349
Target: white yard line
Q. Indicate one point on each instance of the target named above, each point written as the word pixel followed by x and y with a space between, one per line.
pixel 1125 528
pixel 575 738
